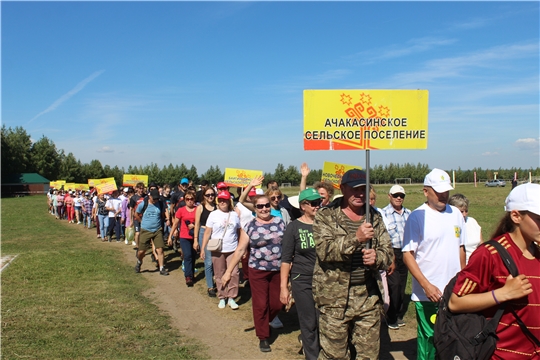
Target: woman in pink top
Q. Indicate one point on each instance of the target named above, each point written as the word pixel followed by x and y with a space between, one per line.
pixel 60 205
pixel 185 219
pixel 68 202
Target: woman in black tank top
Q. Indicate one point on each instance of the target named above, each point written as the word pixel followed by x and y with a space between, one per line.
pixel 208 204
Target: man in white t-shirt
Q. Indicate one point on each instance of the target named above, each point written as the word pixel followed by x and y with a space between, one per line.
pixel 433 250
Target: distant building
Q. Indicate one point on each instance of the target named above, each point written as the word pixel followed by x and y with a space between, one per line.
pixel 24 184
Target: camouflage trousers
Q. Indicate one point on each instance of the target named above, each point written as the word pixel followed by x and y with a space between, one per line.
pixel 360 326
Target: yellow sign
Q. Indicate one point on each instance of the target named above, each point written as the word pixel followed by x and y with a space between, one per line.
pixel 132 180
pixel 92 182
pixel 69 186
pixel 365 119
pixel 105 185
pixel 81 187
pixel 57 184
pixel 240 177
pixel 333 172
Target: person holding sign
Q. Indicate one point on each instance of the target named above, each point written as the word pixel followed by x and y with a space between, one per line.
pixel 347 286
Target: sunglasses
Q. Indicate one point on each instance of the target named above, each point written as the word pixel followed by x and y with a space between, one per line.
pixel 189 199
pixel 395 196
pixel 262 206
pixel 273 198
pixel 210 195
pixel 313 203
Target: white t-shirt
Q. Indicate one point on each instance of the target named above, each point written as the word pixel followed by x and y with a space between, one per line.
pixel 245 215
pixel 435 238
pixel 114 203
pixel 474 232
pixel 77 201
pixel 217 221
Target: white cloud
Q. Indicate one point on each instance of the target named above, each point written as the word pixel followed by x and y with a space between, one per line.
pixel 412 46
pixel 457 66
pixel 487 153
pixel 68 95
pixel 527 144
pixel 106 149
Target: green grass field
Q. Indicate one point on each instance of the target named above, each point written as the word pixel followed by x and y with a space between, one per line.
pixel 64 297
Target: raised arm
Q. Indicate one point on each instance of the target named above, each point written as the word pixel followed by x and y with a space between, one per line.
pixel 304 170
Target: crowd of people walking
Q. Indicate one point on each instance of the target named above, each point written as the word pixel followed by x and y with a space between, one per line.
pixel 343 263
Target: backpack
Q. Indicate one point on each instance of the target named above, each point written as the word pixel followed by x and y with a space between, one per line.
pixel 468 335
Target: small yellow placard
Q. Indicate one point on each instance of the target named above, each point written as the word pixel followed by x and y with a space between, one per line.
pixel 57 184
pixel 82 187
pixel 92 182
pixel 240 177
pixel 365 119
pixel 333 172
pixel 69 186
pixel 105 185
pixel 132 180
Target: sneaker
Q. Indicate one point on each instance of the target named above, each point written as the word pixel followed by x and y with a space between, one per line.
pixel 400 322
pixel 189 281
pixel 138 267
pixel 264 346
pixel 393 326
pixel 127 242
pixel 233 304
pixel 133 243
pixel 212 293
pixel 183 268
pixel 79 223
pixel 163 272
pixel 221 304
pixel 276 323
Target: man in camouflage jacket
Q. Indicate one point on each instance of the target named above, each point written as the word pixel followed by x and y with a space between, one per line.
pixel 346 283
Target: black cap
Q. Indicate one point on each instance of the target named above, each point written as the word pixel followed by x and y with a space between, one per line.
pixel 354 178
pixel 154 193
pixel 152 184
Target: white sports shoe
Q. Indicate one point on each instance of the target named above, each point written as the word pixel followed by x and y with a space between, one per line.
pixel 276 323
pixel 233 304
pixel 221 304
pixel 127 242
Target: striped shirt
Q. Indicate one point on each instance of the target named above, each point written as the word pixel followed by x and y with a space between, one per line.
pixel 396 224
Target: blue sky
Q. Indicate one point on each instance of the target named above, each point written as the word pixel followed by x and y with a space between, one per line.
pixel 221 83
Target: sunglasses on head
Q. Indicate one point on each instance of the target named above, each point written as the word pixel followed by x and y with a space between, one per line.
pixel 313 203
pixel 210 195
pixel 262 206
pixel 273 198
pixel 395 196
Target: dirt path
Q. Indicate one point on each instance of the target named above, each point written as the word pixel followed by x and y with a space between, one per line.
pixel 230 334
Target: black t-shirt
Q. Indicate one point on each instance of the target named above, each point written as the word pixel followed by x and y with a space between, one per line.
pixel 133 201
pixel 177 200
pixel 199 196
pixel 298 248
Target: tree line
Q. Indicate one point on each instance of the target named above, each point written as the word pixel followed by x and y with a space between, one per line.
pixel 21 155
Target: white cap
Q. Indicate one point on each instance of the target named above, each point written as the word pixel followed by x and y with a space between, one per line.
pixel 259 191
pixel 525 197
pixel 439 180
pixel 125 189
pixel 293 200
pixel 397 189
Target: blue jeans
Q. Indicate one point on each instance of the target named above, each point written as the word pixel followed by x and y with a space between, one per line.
pixel 103 225
pixel 189 257
pixel 208 269
pixel 87 220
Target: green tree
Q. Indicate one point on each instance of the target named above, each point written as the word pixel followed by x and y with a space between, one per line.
pixel 280 175
pixel 69 167
pixel 16 151
pixel 45 159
